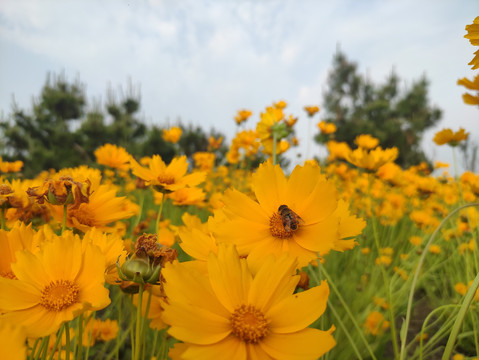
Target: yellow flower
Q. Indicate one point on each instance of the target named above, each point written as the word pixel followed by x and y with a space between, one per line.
pixel 372 160
pixel 366 141
pixel 102 209
pixel 375 323
pixel 327 127
pixel 172 135
pixel 435 249
pixel 447 136
pixel 280 104
pixel 169 178
pixel 415 240
pixel 54 285
pixel 242 116
pixel 204 161
pixel 231 312
pixel 311 110
pixel 10 167
pixel 113 156
pixel 12 341
pixel 214 143
pixel 296 215
pixel 337 150
pixel 188 196
pixel 473 36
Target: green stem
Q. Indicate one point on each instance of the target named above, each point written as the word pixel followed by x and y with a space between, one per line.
pixel 140 204
pixel 345 330
pixel 67 341
pixel 80 337
pixel 34 348
pixel 64 222
pixel 405 326
pixel 44 350
pixel 275 140
pixel 387 284
pixel 2 219
pixel 57 341
pixel 345 305
pixel 460 318
pixel 158 218
pixel 138 339
pixel 153 346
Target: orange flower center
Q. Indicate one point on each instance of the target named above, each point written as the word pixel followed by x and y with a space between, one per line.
pixel 59 295
pixel 249 324
pixel 166 179
pixel 277 227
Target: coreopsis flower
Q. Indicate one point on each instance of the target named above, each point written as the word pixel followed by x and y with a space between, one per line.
pixel 415 240
pixel 371 160
pixel 311 110
pixel 230 311
pixel 12 341
pixel 102 209
pixel 337 150
pixel 366 141
pixel 447 136
pixel 462 288
pixel 214 143
pixel 327 127
pixel 172 135
pixel 20 237
pixel 64 191
pixel 435 249
pixel 204 161
pixel 10 166
pixel 167 177
pixel 473 36
pixel 113 156
pixel 54 285
pixel 375 323
pixel 296 215
pixel 471 85
pixel 242 116
pixel 290 120
pixel 280 104
pixel 188 196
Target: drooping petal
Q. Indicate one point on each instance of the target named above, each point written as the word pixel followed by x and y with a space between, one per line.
pixel 299 310
pixel 307 344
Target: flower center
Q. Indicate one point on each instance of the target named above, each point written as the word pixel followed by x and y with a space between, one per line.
pixel 277 227
pixel 59 295
pixel 166 179
pixel 249 324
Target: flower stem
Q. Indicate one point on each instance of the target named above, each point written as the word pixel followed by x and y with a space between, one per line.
pixel 80 336
pixel 138 339
pixel 158 218
pixel 2 219
pixel 346 307
pixel 67 341
pixel 275 139
pixel 460 318
pixel 64 222
pixel 57 341
pixel 405 326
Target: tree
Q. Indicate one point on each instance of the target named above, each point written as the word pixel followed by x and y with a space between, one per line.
pixel 397 118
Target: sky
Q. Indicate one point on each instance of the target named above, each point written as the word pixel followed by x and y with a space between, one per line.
pixel 201 61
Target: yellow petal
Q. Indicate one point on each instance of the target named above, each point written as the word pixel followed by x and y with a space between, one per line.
pixel 321 203
pixel 272 281
pixel 17 295
pixel 269 184
pixel 306 344
pixel 186 284
pixel 229 277
pixel 62 258
pixel 29 268
pixel 319 237
pixel 241 205
pixel 229 348
pixel 298 310
pixel 255 352
pixel 301 184
pixel 190 323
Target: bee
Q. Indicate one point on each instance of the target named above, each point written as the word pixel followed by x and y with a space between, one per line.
pixel 290 219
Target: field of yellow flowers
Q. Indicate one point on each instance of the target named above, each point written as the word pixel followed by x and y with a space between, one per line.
pixel 349 258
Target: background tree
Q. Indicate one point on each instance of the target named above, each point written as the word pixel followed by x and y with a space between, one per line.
pixel 358 106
